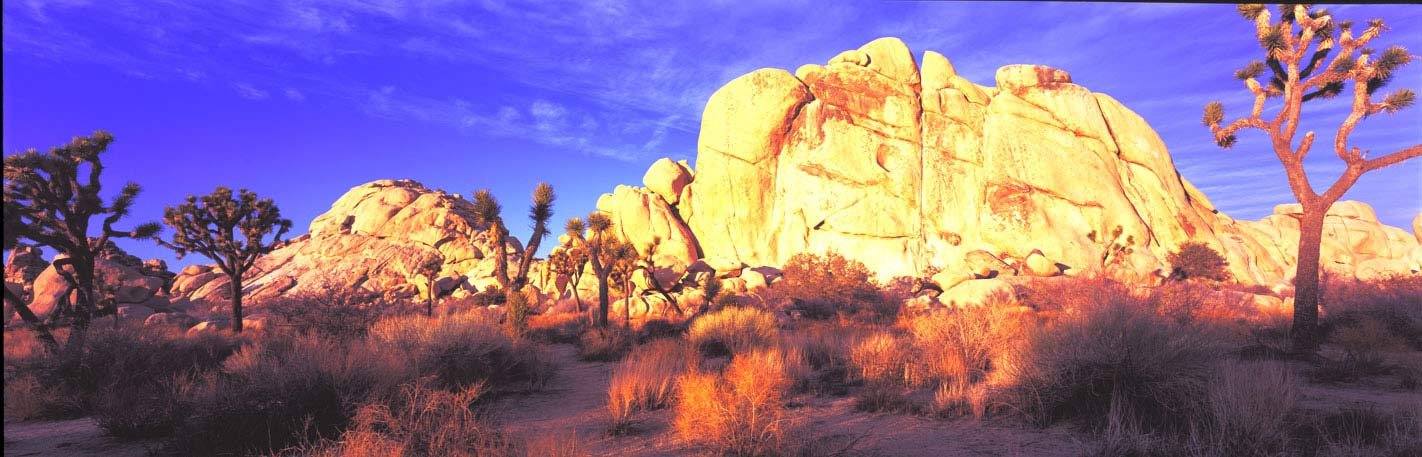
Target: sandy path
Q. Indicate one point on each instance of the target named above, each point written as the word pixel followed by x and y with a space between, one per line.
pixel 78 437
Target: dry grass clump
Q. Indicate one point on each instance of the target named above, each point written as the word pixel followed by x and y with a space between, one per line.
pixel 284 390
pixel 733 330
pixel 962 346
pixel 646 380
pixel 1117 367
pixel 565 328
pixel 460 350
pixel 883 358
pixel 1251 411
pixel 1395 302
pixel 419 421
pixel 604 344
pixel 1369 432
pixel 740 412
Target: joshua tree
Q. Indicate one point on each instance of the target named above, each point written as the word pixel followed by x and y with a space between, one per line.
pixel 487 210
pixel 600 249
pixel 229 231
pixel 622 258
pixel 47 201
pixel 569 262
pixel 1299 75
pixel 429 266
pixel 649 265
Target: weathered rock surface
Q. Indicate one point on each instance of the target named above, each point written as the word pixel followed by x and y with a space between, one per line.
pixel 372 238
pixel 120 276
pixel 907 169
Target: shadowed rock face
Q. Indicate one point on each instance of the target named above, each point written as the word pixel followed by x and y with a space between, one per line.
pixel 905 169
pixel 373 237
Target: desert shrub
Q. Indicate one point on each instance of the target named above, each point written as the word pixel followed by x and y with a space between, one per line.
pixel 1065 295
pixel 1197 260
pixel 463 349
pixel 951 399
pixel 517 318
pixel 962 345
pixel 826 345
pixel 1368 431
pixel 339 312
pixel 34 395
pixel 284 390
pixel 488 297
pixel 419 421
pixel 733 330
pixel 1116 367
pixel 604 345
pixel 565 328
pixel 1251 411
pixel 655 329
pixel 124 377
pixel 740 412
pixel 884 398
pixel 1396 302
pixel 829 285
pixel 646 380
pixel 882 358
pixel 134 375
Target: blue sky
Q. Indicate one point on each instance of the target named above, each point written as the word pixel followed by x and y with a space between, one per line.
pixel 302 100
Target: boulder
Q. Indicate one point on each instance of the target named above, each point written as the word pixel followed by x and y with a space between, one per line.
pixel 24 264
pixel 127 284
pixel 980 292
pixel 639 216
pixel 986 265
pixel 754 280
pixel 134 312
pixel 180 320
pixel 948 279
pixel 666 179
pixel 1038 265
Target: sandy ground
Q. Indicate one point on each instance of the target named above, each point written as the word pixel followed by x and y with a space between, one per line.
pixel 78 438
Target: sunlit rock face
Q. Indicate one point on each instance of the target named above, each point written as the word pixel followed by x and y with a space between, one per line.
pixel 373 238
pixel 908 169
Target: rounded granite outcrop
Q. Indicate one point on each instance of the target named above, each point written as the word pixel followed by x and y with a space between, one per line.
pixel 909 170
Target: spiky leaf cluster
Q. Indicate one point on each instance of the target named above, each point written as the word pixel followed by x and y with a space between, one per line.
pixel 1253 70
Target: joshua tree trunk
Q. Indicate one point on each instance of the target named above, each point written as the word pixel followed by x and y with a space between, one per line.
pixel 429 299
pixel 237 302
pixel 602 300
pixel 1306 286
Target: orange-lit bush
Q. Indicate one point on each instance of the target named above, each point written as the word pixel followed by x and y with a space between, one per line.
pixel 646 380
pixel 740 412
pixel 733 330
pixel 883 358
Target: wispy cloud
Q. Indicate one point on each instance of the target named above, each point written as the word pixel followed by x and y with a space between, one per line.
pixel 250 92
